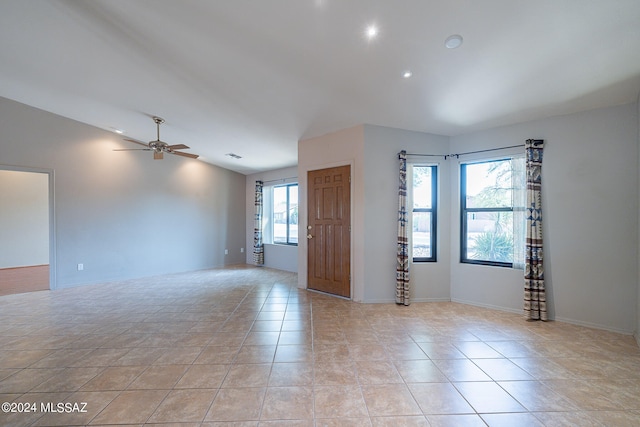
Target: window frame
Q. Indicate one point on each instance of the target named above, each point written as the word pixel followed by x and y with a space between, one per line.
pixel 288 241
pixel 433 211
pixel 464 211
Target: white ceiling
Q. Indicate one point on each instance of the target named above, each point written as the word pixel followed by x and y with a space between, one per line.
pixel 253 77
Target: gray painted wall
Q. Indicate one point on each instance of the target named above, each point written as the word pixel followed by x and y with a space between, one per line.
pixel 590 201
pixel 590 205
pixel 429 281
pixel 372 153
pixel 341 148
pixel 281 257
pixel 122 214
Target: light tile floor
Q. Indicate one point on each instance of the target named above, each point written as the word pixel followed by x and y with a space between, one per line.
pixel 244 347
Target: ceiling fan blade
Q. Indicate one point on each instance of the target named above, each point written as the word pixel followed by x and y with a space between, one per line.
pixel 159 147
pixel 177 147
pixel 136 142
pixel 179 153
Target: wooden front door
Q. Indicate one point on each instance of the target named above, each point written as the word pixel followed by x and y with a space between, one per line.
pixel 329 231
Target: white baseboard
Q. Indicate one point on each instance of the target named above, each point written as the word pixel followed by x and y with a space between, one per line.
pixel 557 319
pixel 389 301
pixel 490 306
pixel 593 325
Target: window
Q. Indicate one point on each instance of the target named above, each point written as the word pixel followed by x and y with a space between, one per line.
pixel 492 210
pixel 285 214
pixel 424 213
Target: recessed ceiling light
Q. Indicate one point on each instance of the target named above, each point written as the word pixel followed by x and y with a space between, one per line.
pixel 407 74
pixel 371 32
pixel 118 131
pixel 453 41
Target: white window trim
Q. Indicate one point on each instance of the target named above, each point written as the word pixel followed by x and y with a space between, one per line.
pixel 267 210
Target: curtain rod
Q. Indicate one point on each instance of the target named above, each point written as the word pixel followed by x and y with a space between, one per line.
pixel 484 151
pixel 426 155
pixel 457 155
pixel 280 179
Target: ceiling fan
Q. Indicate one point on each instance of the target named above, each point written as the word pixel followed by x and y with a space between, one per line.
pixel 160 147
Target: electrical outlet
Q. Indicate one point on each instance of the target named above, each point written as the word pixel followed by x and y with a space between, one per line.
pixel 80 267
pixel 241 250
pixel 226 251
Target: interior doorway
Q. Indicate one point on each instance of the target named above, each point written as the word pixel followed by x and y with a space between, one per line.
pixel 26 230
pixel 329 230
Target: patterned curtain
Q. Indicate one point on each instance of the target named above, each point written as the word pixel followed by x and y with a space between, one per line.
pixel 402 267
pixel 535 302
pixel 258 246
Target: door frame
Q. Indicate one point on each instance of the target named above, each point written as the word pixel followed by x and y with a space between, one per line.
pixel 303 250
pixel 52 216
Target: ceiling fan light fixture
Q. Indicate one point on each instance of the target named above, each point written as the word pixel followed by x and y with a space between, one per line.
pixel 454 41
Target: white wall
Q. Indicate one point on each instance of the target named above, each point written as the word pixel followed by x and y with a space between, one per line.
pixel 282 257
pixel 344 147
pixel 429 281
pixel 590 205
pixel 24 219
pixel 488 286
pixel 372 153
pixel 638 307
pixel 122 214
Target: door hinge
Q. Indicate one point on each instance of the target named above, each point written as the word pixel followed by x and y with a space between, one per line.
pixel 349 178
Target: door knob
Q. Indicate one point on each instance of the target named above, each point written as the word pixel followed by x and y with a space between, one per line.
pixel 309 236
